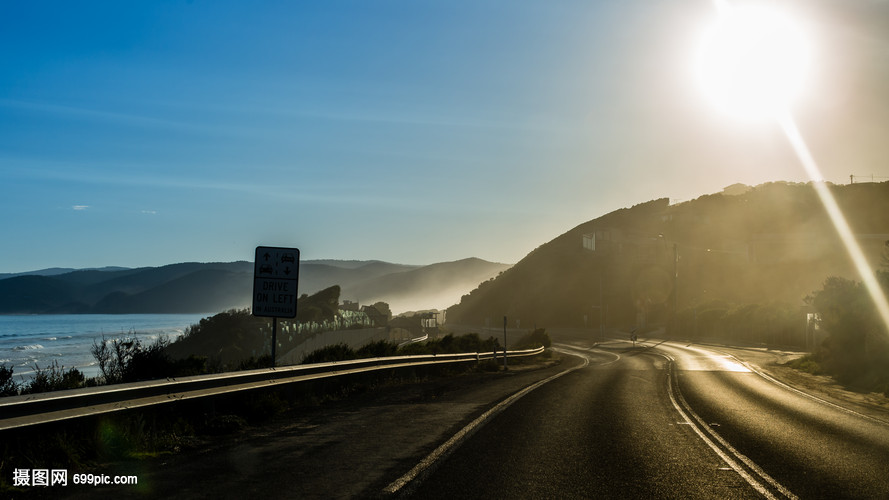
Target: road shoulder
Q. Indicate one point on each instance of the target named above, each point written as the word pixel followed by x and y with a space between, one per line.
pixel 344 449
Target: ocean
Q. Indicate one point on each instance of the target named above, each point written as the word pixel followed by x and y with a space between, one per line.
pixel 37 340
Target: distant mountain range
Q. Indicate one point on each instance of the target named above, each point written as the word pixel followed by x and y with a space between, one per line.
pixel 212 287
pixel 54 271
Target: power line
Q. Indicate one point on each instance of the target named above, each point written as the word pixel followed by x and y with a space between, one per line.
pixel 872 178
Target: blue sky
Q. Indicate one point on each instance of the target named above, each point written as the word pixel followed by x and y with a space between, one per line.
pixel 147 133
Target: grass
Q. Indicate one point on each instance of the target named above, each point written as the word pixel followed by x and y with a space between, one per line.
pixel 806 364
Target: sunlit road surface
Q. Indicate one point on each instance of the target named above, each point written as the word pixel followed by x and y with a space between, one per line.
pixel 624 427
pixel 658 420
pixel 813 448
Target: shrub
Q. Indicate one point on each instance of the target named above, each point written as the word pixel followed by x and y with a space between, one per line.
pixel 192 365
pixel 54 378
pixel 336 352
pixel 148 362
pixel 414 349
pixel 489 365
pixel 264 361
pixel 378 349
pixel 806 364
pixel 534 339
pixel 449 344
pixel 8 387
pixel 127 359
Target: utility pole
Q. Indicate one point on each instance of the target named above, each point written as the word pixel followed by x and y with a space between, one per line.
pixel 676 288
pixel 504 343
pixel 601 305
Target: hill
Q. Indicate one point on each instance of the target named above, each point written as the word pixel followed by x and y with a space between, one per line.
pixel 53 271
pixel 234 336
pixel 209 287
pixel 772 243
pixel 435 286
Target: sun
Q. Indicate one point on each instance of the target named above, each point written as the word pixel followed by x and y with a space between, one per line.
pixel 753 61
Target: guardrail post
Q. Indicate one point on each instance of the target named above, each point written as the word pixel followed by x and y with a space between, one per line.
pixel 504 344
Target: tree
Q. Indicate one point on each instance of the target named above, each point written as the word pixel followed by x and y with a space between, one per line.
pixel 320 307
pixel 856 347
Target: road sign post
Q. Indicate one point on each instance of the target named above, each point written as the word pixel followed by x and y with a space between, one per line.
pixel 275 280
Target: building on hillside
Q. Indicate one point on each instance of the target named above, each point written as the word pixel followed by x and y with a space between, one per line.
pixel 627 244
pixel 348 305
pixel 379 314
pixel 603 240
pixel 428 319
pixel 736 189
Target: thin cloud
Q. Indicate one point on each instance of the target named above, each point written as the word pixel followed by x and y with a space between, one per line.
pixel 319 192
pixel 149 212
pixel 107 116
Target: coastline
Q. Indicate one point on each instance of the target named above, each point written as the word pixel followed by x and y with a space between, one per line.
pixel 38 340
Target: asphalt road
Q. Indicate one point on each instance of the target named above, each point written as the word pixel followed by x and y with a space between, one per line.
pixel 813 448
pixel 629 426
pixel 349 448
pixel 654 420
pixel 605 431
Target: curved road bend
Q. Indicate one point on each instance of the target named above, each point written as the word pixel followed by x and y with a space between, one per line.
pixel 620 427
pixel 609 430
pixel 348 449
pixel 813 448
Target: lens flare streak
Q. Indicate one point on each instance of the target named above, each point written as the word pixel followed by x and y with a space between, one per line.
pixel 836 215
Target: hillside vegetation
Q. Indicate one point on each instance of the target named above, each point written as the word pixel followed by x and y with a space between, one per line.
pixel 728 265
pixel 232 337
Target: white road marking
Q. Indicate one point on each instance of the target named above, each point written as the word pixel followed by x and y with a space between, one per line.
pixel 812 396
pixel 699 426
pixel 427 464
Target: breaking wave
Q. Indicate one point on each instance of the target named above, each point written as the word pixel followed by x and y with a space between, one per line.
pixel 27 347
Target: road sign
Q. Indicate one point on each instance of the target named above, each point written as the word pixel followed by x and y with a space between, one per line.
pixel 275 279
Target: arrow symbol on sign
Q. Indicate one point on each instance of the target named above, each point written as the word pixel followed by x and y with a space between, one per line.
pixel 267 256
pixel 287 270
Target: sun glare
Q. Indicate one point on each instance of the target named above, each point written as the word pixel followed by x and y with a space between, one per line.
pixel 752 62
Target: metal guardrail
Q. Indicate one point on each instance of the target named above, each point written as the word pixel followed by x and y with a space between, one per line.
pixel 33 409
pixel 414 340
